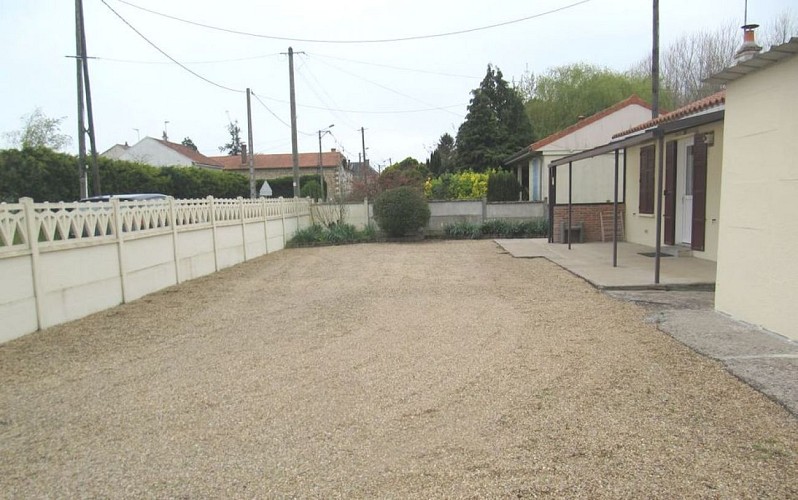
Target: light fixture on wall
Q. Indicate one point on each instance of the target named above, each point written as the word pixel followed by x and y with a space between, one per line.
pixel 709 138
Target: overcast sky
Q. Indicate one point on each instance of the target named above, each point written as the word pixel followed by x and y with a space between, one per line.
pixel 405 93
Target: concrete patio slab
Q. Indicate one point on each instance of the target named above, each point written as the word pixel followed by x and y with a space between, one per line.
pixel 593 263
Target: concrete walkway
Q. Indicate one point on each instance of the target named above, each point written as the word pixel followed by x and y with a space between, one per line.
pixel 766 361
pixel 593 263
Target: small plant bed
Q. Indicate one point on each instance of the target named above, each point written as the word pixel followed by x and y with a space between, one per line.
pixel 496 229
pixel 336 234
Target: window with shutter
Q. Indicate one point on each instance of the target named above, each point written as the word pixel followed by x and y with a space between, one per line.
pixel 646 205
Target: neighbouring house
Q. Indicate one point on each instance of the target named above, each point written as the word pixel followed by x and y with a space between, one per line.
pixel 161 153
pixel 757 276
pixel 531 164
pixel 115 151
pixel 336 169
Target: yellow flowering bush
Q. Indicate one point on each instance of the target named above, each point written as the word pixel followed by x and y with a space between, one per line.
pixel 464 185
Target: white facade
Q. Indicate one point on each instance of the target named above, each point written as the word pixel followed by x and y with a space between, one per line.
pixel 152 152
pixel 593 182
pixel 757 279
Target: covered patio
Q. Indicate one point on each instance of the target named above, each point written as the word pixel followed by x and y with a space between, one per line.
pixel 593 263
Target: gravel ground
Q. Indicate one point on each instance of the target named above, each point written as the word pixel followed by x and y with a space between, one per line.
pixel 445 369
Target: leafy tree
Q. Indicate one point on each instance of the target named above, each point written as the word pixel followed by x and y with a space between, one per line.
pixel 408 172
pixel 563 94
pixel 311 189
pixel 39 131
pixel 495 127
pixel 234 146
pixel 443 158
pixel 189 143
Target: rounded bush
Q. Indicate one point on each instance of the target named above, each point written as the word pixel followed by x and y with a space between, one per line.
pixel 402 211
pixel 503 186
pixel 311 189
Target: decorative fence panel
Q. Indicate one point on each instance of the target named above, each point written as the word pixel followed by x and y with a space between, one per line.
pixel 63 261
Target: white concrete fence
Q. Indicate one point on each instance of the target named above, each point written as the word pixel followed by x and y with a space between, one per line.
pixel 64 261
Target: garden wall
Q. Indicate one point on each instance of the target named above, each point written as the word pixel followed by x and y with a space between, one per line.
pixel 60 262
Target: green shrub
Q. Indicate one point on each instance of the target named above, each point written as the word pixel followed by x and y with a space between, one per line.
pixel 310 189
pixel 503 186
pixel 402 211
pixel 462 231
pixel 495 227
pixel 337 234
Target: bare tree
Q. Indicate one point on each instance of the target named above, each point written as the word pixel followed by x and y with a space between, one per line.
pixel 687 62
pixel 38 130
pixel 781 29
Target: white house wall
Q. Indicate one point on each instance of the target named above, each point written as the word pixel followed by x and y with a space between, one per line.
pixel 641 228
pixel 757 274
pixel 152 152
pixel 593 178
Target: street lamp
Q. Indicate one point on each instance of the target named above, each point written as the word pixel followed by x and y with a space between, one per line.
pixel 321 173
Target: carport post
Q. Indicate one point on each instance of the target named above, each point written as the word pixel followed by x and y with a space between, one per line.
pixel 658 193
pixel 570 189
pixel 615 216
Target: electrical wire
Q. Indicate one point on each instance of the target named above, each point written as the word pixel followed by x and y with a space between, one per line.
pixel 167 55
pixel 400 68
pixel 377 40
pixel 390 89
pixel 216 61
pixel 369 112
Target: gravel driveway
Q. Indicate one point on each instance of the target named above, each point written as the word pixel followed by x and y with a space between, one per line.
pixel 444 369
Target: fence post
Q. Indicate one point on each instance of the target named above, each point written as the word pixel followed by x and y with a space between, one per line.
pixel 120 251
pixel 243 226
pixel 282 214
pixel 265 225
pixel 366 206
pixel 33 245
pixel 173 225
pixel 484 209
pixel 212 212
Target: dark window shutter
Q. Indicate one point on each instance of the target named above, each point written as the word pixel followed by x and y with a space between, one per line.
pixel 699 192
pixel 646 205
pixel 670 193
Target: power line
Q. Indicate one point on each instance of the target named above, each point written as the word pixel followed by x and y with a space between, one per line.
pixel 400 68
pixel 275 114
pixel 214 61
pixel 378 40
pixel 167 55
pixel 389 89
pixel 386 112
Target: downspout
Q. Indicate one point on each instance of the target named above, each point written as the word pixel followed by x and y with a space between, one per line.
pixel 657 191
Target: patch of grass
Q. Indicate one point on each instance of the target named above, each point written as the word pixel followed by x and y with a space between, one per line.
pixel 462 231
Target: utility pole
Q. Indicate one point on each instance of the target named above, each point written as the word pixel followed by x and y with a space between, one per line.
pixel 84 188
pixel 251 159
pixel 294 145
pixel 321 163
pixel 95 170
pixel 655 64
pixel 363 143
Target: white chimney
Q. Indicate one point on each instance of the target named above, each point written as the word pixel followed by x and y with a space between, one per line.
pixel 749 48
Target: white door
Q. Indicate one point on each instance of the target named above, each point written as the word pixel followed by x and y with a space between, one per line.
pixel 687 198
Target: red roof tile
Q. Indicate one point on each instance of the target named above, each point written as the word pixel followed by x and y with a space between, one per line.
pixel 283 160
pixel 633 99
pixel 188 152
pixel 715 100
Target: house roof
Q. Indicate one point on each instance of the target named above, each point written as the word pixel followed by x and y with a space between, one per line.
pixel 715 100
pixel 281 161
pixel 759 61
pixel 194 156
pixel 634 99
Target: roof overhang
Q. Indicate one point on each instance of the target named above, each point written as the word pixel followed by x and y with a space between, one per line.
pixel 518 156
pixel 642 137
pixel 759 61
